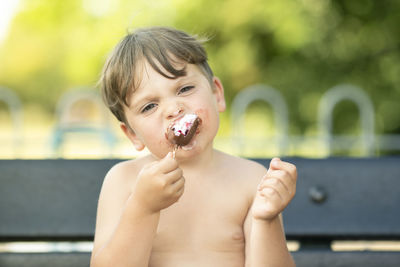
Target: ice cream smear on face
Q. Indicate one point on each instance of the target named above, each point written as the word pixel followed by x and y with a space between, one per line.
pixel 182 130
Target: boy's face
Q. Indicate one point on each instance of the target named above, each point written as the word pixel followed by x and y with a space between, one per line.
pixel 159 101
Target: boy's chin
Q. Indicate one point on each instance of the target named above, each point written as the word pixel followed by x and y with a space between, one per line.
pixel 188 152
pixel 189 146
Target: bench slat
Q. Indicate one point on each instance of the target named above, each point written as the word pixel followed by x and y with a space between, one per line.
pixel 50 199
pixel 75 259
pixel 321 258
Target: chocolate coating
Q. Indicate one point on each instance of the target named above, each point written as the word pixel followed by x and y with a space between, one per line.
pixel 182 139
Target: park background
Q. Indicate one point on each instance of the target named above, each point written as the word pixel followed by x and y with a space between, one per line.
pixel 302 48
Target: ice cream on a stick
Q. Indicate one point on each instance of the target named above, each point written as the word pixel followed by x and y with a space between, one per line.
pixel 182 130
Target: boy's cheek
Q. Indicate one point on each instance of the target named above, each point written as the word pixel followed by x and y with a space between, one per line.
pixel 202 113
pixel 207 119
pixel 159 149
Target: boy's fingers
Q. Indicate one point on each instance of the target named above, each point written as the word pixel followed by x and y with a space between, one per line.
pixel 271 193
pixel 174 176
pixel 281 176
pixel 181 189
pixel 285 177
pixel 168 163
pixel 178 184
pixel 274 163
pixel 277 184
pixel 276 179
pixel 277 164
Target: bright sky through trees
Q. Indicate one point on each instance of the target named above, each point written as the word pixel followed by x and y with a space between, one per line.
pixel 8 9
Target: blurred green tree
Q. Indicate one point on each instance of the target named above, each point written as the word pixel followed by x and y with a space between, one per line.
pixel 301 47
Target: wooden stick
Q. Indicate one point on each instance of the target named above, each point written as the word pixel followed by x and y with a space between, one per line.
pixel 174 151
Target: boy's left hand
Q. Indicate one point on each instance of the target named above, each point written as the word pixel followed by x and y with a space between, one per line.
pixel 275 191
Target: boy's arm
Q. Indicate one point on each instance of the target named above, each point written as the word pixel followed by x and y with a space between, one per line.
pixel 265 237
pixel 123 238
pixel 127 222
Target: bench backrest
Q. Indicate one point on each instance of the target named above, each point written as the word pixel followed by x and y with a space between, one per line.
pixel 50 199
pixel 337 198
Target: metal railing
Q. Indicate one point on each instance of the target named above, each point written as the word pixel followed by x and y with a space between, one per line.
pixel 329 100
pixel 269 95
pixel 368 141
pixel 64 126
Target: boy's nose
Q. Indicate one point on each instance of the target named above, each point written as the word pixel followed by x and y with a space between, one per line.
pixel 174 111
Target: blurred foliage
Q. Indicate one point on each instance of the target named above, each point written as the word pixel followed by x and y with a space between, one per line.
pixel 300 47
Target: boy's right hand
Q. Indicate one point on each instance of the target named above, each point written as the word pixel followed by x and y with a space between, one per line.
pixel 159 184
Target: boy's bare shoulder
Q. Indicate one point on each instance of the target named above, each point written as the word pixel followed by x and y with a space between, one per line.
pixel 242 163
pixel 125 172
pixel 243 168
pixel 244 174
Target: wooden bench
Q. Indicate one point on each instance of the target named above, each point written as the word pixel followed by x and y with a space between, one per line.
pixel 337 199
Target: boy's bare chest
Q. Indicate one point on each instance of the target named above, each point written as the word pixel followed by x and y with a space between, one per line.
pixel 206 218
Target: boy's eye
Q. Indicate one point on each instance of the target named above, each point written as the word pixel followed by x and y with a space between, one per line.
pixel 148 107
pixel 185 89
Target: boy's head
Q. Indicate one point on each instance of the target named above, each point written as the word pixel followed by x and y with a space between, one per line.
pixel 159 46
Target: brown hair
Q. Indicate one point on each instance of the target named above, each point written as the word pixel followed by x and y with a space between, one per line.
pixel 162 45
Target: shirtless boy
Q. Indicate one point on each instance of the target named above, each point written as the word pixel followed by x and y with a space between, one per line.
pixel 198 206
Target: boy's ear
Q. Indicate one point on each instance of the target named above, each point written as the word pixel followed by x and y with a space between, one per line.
pixel 219 94
pixel 137 143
